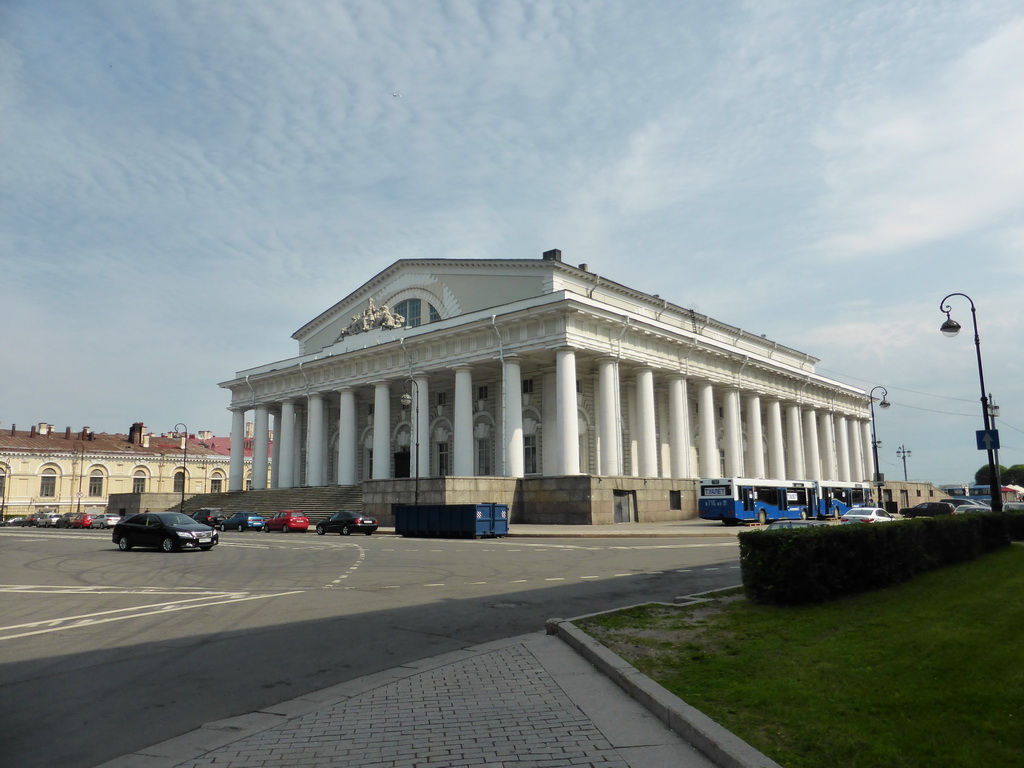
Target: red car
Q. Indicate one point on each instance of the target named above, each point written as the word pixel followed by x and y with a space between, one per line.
pixel 288 520
pixel 82 519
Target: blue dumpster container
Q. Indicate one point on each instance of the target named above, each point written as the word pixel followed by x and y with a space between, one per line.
pixel 451 520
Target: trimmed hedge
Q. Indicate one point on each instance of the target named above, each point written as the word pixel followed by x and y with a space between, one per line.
pixel 812 565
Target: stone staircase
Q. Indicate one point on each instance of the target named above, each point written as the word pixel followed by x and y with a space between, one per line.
pixel 318 503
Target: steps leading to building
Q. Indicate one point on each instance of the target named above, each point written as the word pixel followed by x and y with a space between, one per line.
pixel 318 503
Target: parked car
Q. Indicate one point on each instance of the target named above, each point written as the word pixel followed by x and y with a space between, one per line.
pixel 210 516
pixel 345 523
pixel 288 520
pixel 965 501
pixel 866 515
pixel 105 520
pixel 82 519
pixel 929 509
pixel 65 520
pixel 781 525
pixel 44 519
pixel 1013 506
pixel 169 531
pixel 243 521
pixel 16 521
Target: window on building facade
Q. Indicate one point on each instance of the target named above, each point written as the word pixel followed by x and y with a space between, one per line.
pixel 413 312
pixel 48 484
pixel 179 481
pixel 530 454
pixel 442 398
pixel 95 483
pixel 481 393
pixel 216 485
pixel 139 482
pixel 527 386
pixel 444 459
pixel 483 457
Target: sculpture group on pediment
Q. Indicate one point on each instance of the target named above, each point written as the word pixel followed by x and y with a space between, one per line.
pixel 373 317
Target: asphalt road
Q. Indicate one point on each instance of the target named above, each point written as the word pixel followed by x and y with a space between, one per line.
pixel 103 652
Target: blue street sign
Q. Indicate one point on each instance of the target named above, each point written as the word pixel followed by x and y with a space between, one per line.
pixel 988 439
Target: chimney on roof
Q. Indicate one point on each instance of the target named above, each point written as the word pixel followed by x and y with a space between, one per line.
pixel 32 432
pixel 86 434
pixel 135 433
pixel 44 428
pixel 14 428
pixel 553 255
pixel 585 267
pixel 67 433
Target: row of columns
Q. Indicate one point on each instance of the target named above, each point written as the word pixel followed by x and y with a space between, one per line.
pixel 812 446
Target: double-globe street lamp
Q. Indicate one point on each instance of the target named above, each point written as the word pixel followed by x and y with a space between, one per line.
pixel 951 327
pixel 879 478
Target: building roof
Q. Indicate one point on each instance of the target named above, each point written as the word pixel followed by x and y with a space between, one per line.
pixel 42 438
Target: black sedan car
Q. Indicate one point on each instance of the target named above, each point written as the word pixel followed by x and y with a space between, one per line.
pixel 169 531
pixel 346 523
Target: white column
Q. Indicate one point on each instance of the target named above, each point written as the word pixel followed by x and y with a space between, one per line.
pixel 812 457
pixel 679 427
pixel 647 439
pixel 236 467
pixel 297 425
pixel 857 473
pixel 776 446
pixel 827 445
pixel 260 447
pixel 275 449
pixel 710 464
pixel 463 426
pixel 315 441
pixel 347 437
pixel 512 393
pixel 755 438
pixel 381 431
pixel 869 457
pixel 631 415
pixel 284 439
pixel 794 448
pixel 842 449
pixel 549 445
pixel 733 434
pixel 608 417
pixel 422 432
pixel 565 408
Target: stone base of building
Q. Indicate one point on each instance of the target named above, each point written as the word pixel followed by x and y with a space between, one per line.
pixel 565 500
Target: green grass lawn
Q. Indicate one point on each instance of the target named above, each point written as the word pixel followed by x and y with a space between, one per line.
pixel 926 674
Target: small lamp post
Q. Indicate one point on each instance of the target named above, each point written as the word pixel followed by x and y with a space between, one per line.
pixel 80 448
pixel 951 328
pixel 412 397
pixel 879 478
pixel 903 453
pixel 183 431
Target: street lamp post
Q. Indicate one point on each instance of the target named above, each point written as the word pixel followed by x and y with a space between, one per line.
pixel 951 327
pixel 412 397
pixel 879 478
pixel 181 429
pixel 903 453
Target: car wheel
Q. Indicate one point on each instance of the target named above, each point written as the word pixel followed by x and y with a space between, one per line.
pixel 206 548
pixel 284 529
pixel 344 530
pixel 320 530
pixel 123 544
pixel 222 528
pixel 762 517
pixel 167 545
pixel 369 533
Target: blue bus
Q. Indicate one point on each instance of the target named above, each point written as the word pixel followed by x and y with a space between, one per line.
pixel 834 498
pixel 735 500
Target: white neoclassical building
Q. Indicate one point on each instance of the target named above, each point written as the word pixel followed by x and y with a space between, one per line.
pixel 570 396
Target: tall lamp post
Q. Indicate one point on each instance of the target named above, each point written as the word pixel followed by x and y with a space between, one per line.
pixel 412 397
pixel 903 453
pixel 182 430
pixel 951 327
pixel 879 478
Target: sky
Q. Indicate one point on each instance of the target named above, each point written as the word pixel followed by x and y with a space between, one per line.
pixel 184 184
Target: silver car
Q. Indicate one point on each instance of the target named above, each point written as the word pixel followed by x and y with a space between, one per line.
pixel 105 520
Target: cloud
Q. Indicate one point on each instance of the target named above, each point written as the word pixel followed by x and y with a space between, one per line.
pixel 904 168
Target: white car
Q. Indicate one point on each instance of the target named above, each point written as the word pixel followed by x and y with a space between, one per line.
pixel 866 515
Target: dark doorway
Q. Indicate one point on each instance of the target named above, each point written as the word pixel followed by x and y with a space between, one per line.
pixel 402 464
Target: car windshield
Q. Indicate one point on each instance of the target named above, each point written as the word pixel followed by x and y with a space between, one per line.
pixel 175 518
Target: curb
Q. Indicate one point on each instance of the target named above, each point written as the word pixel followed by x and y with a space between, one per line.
pixel 723 747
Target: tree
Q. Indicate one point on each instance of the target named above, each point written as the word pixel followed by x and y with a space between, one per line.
pixel 1014 475
pixel 984 477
